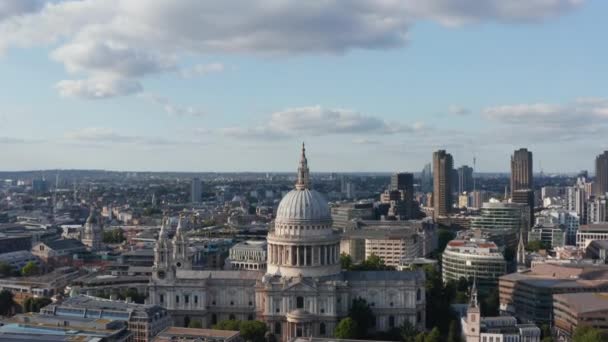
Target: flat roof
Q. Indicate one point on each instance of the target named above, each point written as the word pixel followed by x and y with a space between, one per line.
pixel 585 302
pixel 209 333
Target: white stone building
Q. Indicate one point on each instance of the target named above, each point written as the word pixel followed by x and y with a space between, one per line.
pixel 247 255
pixel 92 234
pixel 303 292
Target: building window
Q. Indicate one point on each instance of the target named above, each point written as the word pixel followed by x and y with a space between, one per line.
pixel 214 319
pixel 418 317
pixel 231 317
pixel 177 298
pixel 373 323
pixel 299 302
pixel 213 302
pixel 391 321
pixel 162 298
pixel 418 294
pixel 250 318
pixel 391 304
pixel 277 328
pixel 186 299
pixel 322 329
pixel 195 299
pixel 231 303
pixel 250 303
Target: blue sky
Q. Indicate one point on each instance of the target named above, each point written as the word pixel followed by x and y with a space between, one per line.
pixel 369 85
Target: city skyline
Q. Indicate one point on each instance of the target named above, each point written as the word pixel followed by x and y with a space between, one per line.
pixel 175 89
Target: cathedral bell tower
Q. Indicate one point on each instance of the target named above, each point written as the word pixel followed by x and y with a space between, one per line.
pixel 163 255
pixel 473 316
pixel 181 255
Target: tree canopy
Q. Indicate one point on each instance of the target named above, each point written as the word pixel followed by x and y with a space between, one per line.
pixel 250 330
pixel 35 304
pixel 30 269
pixel 362 314
pixel 587 334
pixel 347 329
pixel 7 303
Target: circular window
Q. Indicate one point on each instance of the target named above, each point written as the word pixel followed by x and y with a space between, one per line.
pixel 179 264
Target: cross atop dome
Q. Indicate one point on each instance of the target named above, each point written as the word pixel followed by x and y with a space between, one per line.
pixel 303 173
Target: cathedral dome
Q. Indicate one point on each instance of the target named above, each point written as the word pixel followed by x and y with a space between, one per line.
pixel 303 205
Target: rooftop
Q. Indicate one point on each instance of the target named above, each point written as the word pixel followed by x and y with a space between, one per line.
pixel 585 302
pixel 171 332
pixel 594 227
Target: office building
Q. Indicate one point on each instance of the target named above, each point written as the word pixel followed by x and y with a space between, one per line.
pixel 559 216
pixel 601 174
pixel 501 222
pixel 478 198
pixel 575 310
pixel 426 178
pixel 344 214
pixel 404 183
pixel 525 197
pixel 589 232
pixel 473 258
pixel 465 179
pixel 597 208
pixel 196 191
pixel 521 170
pixel 551 235
pixel 529 295
pixel 443 164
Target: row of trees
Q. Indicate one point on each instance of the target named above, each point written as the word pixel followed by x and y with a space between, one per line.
pixel 114 236
pixel 30 269
pixel 372 263
pixel 8 306
pixel 253 331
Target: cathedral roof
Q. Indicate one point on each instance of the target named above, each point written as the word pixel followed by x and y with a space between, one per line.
pixel 303 203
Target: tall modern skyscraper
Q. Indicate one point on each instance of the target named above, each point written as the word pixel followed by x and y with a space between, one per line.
pixel 404 183
pixel 196 191
pixel 443 164
pixel 521 170
pixel 426 179
pixel 601 174
pixel 465 179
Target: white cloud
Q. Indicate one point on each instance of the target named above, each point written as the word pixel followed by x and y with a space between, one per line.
pixel 458 110
pixel 129 39
pixel 95 136
pixel 582 118
pixel 98 88
pixel 202 70
pixel 173 109
pixel 319 121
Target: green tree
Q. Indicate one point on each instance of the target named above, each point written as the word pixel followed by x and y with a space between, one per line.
pixel 536 245
pixel 420 337
pixel 195 323
pixel 433 336
pixel 253 331
pixel 5 269
pixel 114 236
pixel 408 332
pixel 372 263
pixel 490 303
pixel 30 269
pixel 346 262
pixel 32 304
pixel 347 329
pixel 7 304
pixel 587 334
pixel 443 237
pixel 362 314
pixel 453 333
pixel 228 324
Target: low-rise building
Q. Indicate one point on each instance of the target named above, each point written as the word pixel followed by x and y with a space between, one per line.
pixel 529 295
pixel 63 327
pixel 574 310
pixel 589 232
pixel 46 285
pixel 548 233
pixel 473 258
pixel 144 321
pixel 172 334
pixel 58 253
pixel 597 250
pixel 18 259
pixel 247 255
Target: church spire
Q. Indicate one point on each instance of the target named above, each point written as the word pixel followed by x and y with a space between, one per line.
pixel 521 250
pixel 303 173
pixel 474 303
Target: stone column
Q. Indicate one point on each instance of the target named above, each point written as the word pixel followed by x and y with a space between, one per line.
pixel 305 256
pixel 298 255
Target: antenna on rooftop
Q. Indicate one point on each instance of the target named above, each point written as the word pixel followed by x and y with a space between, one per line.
pixel 474 168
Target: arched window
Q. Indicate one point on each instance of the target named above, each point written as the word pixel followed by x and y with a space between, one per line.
pixel 391 321
pixel 300 303
pixel 186 321
pixel 418 294
pixel 213 319
pixel 322 329
pixel 277 328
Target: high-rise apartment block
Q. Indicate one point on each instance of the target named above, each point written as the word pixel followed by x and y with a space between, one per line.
pixel 465 179
pixel 443 164
pixel 521 170
pixel 601 174
pixel 196 191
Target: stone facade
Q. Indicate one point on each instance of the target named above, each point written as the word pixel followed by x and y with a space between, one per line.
pixel 303 292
